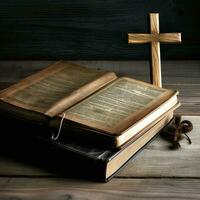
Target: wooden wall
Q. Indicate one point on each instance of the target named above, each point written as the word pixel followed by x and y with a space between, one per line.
pixel 93 29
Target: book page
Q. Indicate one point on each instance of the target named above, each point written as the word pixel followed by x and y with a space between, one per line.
pixel 43 91
pixel 110 106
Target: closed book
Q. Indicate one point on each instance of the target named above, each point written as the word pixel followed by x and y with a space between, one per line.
pixel 73 158
pixel 107 162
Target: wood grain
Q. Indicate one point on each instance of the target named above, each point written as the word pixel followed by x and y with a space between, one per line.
pixel 170 37
pixel 43 29
pixel 156 77
pixel 26 188
pixel 154 38
pixel 157 172
pixel 13 71
pixel 173 77
pixel 183 163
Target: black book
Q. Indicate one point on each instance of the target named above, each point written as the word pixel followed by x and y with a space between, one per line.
pixel 73 158
pixel 87 118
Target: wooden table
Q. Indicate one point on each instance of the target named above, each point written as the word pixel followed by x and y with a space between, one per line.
pixel 156 172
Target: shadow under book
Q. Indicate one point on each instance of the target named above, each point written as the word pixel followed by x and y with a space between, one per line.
pixel 102 118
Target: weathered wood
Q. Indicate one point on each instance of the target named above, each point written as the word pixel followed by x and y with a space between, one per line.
pixel 14 70
pixel 156 160
pixel 12 167
pixel 43 29
pixel 170 37
pixel 157 172
pixel 173 77
pixel 26 188
pixel 154 38
pixel 156 78
pixel 189 109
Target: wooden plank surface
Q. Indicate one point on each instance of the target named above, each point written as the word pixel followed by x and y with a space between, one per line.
pixel 183 72
pixel 47 29
pixel 157 172
pixel 178 75
pixel 48 188
pixel 157 160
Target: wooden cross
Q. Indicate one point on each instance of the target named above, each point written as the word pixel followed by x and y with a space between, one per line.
pixel 155 37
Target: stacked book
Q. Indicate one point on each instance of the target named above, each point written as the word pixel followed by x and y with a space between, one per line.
pixel 90 113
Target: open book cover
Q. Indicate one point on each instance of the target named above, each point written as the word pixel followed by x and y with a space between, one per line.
pixel 87 104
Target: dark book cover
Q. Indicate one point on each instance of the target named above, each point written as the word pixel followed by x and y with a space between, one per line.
pixel 71 158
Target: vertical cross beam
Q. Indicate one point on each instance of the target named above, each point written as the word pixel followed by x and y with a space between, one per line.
pixel 155 37
pixel 155 51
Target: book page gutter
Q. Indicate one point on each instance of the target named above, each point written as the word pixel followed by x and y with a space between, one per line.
pixel 41 95
pixel 114 103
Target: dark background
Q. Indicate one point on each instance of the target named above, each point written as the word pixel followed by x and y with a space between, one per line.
pixel 94 29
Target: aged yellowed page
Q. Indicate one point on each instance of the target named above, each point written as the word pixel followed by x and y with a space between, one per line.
pixel 48 87
pixel 119 101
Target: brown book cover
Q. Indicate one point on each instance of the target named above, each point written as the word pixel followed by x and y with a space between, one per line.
pixel 77 102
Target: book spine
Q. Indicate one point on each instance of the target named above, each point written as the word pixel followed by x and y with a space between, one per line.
pixel 47 154
pixel 77 163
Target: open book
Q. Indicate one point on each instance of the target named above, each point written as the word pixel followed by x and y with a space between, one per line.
pixel 86 104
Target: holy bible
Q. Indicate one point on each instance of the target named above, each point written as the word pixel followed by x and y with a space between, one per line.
pixel 84 117
pixel 93 106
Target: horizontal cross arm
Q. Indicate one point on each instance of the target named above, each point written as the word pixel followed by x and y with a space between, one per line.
pixel 170 37
pixel 139 38
pixel 146 38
